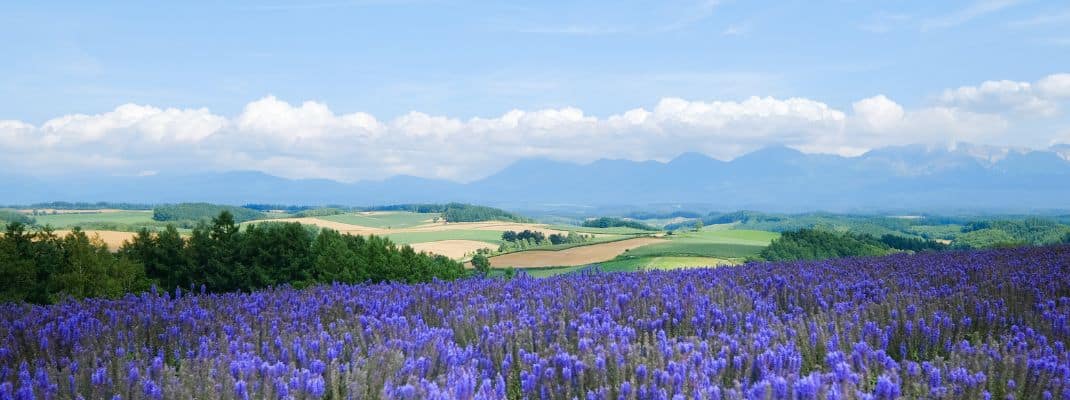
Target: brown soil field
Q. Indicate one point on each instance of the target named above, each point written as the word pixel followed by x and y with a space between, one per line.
pixel 454 249
pixel 112 238
pixel 581 255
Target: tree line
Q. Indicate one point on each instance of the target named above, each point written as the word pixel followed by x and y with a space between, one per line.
pixel 202 211
pixel 218 256
pixel 816 244
pixel 456 212
pixel 609 222
pixel 527 238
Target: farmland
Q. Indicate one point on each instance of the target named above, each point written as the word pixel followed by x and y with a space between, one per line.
pixel 382 219
pixel 580 255
pixel 939 325
pixel 424 231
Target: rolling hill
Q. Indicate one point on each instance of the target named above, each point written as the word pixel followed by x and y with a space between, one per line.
pixel 973 178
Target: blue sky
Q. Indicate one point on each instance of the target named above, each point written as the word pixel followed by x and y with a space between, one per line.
pixel 453 61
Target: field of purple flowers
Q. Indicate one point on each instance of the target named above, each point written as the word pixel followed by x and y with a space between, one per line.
pixel 941 325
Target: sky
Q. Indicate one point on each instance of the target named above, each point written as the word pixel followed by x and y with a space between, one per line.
pixel 357 90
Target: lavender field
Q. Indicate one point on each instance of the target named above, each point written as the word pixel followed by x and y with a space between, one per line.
pixel 984 324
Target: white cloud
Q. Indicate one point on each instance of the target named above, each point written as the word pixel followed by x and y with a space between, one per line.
pixel 132 122
pixel 1040 98
pixel 878 113
pixel 1054 86
pixel 308 140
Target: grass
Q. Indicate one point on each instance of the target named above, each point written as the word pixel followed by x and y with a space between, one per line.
pixel 69 220
pixel 731 236
pixel 493 237
pixel 399 219
pixel 715 242
pixel 631 264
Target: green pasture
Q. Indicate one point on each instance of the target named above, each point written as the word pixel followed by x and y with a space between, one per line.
pixel 69 220
pixel 633 264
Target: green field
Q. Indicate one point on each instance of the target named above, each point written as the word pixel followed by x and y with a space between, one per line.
pixel 399 219
pixel 61 221
pixel 731 236
pixel 630 263
pixel 633 264
pixel 494 237
pixel 717 243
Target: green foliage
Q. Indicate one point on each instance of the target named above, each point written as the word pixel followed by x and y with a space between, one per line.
pixel 609 222
pixel 813 244
pixel 525 235
pixel 904 243
pixel 202 212
pixel 8 216
pixel 319 212
pixel 528 239
pixel 41 267
pixel 481 264
pixel 223 257
pixel 456 212
pixel 1033 231
pixel 985 238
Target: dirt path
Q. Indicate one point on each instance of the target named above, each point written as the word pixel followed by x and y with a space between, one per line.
pixel 581 255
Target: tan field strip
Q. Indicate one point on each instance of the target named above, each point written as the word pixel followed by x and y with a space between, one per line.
pixel 454 249
pixel 112 238
pixel 581 255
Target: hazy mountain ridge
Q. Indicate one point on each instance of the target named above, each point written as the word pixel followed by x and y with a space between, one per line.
pixel 778 178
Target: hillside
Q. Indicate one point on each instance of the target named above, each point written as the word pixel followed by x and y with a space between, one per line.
pixel 771 179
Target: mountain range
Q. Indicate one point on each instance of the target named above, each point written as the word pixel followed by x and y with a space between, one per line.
pixel 914 177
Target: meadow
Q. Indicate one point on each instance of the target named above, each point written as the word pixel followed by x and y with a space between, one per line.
pixel 67 220
pixel 971 324
pixel 716 242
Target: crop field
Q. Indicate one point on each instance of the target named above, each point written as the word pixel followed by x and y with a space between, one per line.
pixel 492 238
pixel 717 243
pixel 71 219
pixel 981 324
pixel 387 219
pixel 113 239
pixel 455 249
pixel 579 255
pixel 619 230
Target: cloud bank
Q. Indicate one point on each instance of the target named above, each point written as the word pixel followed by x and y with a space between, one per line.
pixel 309 140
